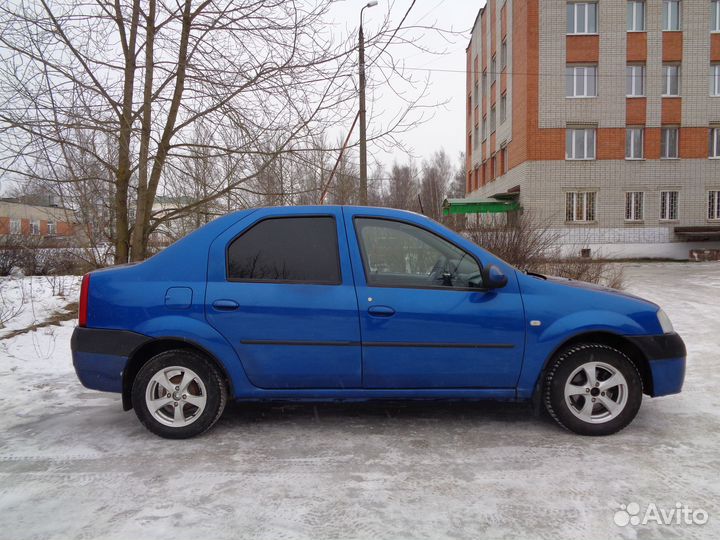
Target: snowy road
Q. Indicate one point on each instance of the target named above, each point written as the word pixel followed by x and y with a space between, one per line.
pixel 73 465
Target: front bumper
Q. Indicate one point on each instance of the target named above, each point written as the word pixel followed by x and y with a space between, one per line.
pixel 668 375
pixel 100 356
pixel 666 356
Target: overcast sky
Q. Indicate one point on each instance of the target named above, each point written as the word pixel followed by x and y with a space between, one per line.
pixel 446 70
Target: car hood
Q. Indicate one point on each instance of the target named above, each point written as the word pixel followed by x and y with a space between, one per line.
pixel 594 287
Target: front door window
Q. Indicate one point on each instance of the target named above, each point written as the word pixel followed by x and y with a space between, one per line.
pixel 397 254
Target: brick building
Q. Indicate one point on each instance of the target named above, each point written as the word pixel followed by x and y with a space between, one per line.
pixel 602 117
pixel 36 221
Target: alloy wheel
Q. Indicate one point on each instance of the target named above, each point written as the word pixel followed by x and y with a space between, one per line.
pixel 596 392
pixel 176 396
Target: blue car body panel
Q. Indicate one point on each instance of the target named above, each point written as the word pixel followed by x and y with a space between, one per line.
pixel 326 342
pixel 438 338
pixel 289 335
pixel 668 375
pixel 100 371
pixel 567 309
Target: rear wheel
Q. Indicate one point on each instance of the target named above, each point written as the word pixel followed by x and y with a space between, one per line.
pixel 178 394
pixel 593 389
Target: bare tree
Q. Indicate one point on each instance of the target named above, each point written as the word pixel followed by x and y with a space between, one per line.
pixel 124 84
pixel 437 175
pixel 456 190
pixel 403 187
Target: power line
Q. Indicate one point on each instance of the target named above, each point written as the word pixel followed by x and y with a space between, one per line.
pixel 541 74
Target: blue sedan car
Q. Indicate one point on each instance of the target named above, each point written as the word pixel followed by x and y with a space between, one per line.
pixel 349 303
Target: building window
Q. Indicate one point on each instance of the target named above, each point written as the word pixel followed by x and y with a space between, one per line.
pixel 477 94
pixel 713 204
pixel 715 142
pixel 35 227
pixel 671 15
pixel 634 205
pixel 495 170
pixel 715 80
pixel 671 80
pixel 634 143
pixel 484 127
pixel 582 18
pixel 580 206
pixel 505 157
pixel 492 119
pixel 476 137
pixel 493 71
pixel 15 227
pixel 636 16
pixel 503 108
pixel 669 148
pixel 668 205
pixel 503 54
pixel 52 228
pixel 580 143
pixel 715 16
pixel 635 81
pixel 581 81
pixel 484 82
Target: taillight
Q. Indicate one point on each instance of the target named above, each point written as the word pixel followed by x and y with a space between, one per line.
pixel 83 310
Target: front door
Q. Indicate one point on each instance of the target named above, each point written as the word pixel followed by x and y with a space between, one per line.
pixel 425 320
pixel 280 290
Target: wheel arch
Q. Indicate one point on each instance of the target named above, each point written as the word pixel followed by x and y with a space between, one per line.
pixel 617 341
pixel 154 347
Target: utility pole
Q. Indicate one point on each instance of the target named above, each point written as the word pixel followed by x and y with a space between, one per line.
pixel 363 129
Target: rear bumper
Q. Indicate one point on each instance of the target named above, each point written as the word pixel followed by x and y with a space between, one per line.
pixel 666 355
pixel 100 356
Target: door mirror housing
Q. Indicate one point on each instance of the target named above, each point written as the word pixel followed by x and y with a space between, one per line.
pixel 493 277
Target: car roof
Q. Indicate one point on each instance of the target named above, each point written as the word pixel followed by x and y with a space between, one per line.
pixel 326 207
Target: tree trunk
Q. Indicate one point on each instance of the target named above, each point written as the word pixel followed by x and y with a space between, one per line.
pixel 124 172
pixel 141 232
pixel 139 247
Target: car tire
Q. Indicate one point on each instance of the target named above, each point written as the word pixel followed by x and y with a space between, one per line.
pixel 592 389
pixel 179 394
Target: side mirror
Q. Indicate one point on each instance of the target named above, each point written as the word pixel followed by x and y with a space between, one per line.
pixel 493 277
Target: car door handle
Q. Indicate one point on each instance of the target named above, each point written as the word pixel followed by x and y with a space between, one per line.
pixel 225 305
pixel 381 311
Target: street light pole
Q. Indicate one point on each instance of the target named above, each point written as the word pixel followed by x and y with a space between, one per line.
pixel 363 133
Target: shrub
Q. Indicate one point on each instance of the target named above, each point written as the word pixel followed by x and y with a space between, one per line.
pixel 535 246
pixel 10 254
pixel 32 258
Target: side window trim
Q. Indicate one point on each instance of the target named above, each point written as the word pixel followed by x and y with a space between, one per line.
pixel 282 281
pixel 364 260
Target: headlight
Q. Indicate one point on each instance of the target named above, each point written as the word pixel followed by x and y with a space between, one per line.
pixel 665 323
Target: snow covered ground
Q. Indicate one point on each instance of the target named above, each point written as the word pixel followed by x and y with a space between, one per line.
pixel 74 465
pixel 25 301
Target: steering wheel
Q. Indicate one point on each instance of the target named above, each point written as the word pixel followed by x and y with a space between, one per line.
pixel 438 269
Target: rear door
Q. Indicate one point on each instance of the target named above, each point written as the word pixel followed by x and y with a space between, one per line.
pixel 425 320
pixel 280 290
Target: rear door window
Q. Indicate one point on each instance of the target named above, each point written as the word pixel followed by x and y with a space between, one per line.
pixel 286 249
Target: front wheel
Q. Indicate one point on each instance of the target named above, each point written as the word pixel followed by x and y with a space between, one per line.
pixel 178 394
pixel 593 389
